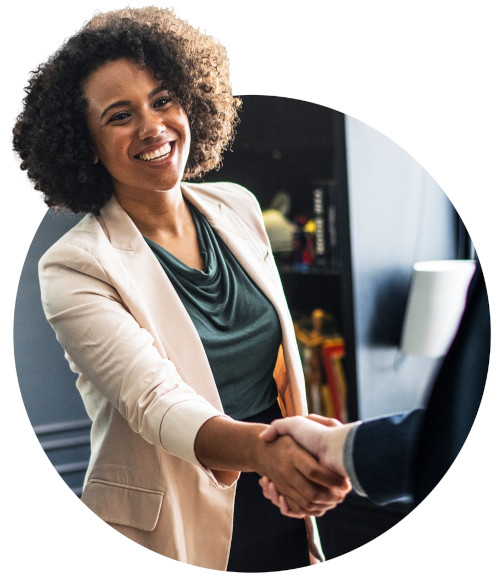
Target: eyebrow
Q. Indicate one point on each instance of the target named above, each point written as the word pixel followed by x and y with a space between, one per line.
pixel 125 103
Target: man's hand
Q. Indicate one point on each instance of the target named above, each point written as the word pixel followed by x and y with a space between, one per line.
pixel 324 438
pixel 298 483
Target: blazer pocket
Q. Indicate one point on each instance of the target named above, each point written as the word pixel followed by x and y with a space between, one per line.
pixel 123 504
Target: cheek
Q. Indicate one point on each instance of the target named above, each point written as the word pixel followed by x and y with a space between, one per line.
pixel 112 156
pixel 107 145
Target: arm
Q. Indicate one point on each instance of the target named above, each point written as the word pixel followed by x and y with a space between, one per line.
pixel 111 351
pixel 383 456
pixel 378 455
pixel 115 357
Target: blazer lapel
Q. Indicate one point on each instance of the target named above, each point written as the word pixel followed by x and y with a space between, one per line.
pixel 149 295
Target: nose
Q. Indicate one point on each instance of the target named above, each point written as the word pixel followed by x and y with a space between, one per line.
pixel 150 125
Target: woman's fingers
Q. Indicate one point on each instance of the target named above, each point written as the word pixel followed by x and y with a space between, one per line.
pixel 270 492
pixel 287 507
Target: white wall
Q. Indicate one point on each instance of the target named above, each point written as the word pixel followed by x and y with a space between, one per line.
pixel 399 215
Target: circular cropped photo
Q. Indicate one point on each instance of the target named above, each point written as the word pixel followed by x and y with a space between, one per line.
pixel 251 332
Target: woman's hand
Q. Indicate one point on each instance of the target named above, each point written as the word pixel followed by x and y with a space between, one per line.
pixel 307 487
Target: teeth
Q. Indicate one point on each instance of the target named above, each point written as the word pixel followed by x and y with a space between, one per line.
pixel 164 150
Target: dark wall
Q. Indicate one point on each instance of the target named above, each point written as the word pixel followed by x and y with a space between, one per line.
pixel 46 382
pixel 47 385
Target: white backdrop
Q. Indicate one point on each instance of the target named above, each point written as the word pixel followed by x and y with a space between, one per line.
pixel 422 73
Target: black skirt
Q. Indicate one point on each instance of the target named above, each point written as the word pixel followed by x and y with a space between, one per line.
pixel 263 539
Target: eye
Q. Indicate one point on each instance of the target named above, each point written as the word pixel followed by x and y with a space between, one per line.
pixel 119 117
pixel 162 102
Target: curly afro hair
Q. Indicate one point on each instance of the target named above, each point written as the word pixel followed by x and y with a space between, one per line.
pixel 51 134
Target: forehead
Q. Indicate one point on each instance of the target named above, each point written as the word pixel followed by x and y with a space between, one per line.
pixel 117 78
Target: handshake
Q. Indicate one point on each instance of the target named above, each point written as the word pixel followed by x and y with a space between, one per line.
pixel 324 438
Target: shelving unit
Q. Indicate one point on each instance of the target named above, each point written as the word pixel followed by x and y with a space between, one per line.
pixel 294 146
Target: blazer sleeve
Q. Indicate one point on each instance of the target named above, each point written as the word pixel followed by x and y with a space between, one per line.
pixel 109 350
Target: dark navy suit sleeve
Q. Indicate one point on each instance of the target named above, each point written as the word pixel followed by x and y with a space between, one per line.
pixel 383 456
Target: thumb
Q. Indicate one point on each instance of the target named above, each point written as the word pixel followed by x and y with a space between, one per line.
pixel 283 426
pixel 325 421
pixel 269 434
pixel 279 428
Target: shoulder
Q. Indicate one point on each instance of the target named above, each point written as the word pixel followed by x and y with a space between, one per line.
pixel 229 194
pixel 78 246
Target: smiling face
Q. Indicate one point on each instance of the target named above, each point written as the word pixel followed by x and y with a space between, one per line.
pixel 138 132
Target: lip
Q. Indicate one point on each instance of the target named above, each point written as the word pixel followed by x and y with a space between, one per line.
pixel 161 158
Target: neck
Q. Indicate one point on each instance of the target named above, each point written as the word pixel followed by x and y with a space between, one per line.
pixel 165 218
pixel 156 213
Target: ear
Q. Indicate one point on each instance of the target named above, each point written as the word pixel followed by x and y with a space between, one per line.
pixel 95 157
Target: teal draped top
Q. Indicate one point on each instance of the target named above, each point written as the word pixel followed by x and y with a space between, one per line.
pixel 238 326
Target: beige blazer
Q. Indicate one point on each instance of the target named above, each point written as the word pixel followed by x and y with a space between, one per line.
pixel 144 376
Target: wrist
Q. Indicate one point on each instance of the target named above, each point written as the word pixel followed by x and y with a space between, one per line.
pixel 332 455
pixel 251 446
pixel 226 444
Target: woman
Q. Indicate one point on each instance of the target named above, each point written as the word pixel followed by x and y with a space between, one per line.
pixel 166 299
